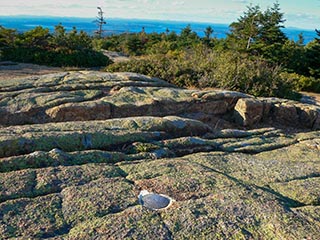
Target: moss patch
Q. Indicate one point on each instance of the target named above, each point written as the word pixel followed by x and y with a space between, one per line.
pixel 133 223
pixel 306 191
pixel 32 218
pixel 97 199
pixel 235 213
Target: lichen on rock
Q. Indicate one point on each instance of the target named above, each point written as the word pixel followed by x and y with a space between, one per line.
pixel 77 148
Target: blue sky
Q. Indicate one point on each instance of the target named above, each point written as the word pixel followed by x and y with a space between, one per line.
pixel 299 13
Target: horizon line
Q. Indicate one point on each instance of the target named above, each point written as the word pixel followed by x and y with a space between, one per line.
pixel 135 19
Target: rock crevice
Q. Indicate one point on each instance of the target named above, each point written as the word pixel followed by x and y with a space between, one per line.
pixel 100 96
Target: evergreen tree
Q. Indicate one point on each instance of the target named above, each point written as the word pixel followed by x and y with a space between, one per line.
pixel 246 29
pixel 257 29
pixel 78 41
pixel 207 36
pixel 186 32
pixel 7 37
pixel 300 39
pixel 59 36
pixel 208 32
pixel 100 22
pixel 313 58
pixel 271 25
pixel 37 37
pixel 318 34
pixel 187 37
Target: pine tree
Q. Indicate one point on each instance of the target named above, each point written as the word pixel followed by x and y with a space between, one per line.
pixel 246 29
pixel 59 37
pixel 318 34
pixel 100 22
pixel 208 32
pixel 7 37
pixel 271 24
pixel 37 37
pixel 258 28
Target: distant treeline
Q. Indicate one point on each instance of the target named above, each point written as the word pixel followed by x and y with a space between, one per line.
pixel 60 48
pixel 256 57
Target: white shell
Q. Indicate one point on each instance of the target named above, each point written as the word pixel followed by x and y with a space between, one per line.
pixel 154 201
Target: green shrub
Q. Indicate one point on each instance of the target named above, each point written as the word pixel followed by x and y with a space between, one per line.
pixel 57 58
pixel 254 76
pixel 302 83
pixel 162 66
pixel 60 49
pixel 201 67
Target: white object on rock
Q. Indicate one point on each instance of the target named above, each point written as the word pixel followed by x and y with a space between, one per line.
pixel 154 201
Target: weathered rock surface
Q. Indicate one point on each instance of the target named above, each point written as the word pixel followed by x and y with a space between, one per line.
pixel 100 138
pixel 248 112
pixel 83 96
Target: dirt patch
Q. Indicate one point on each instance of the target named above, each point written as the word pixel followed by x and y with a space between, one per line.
pixel 116 56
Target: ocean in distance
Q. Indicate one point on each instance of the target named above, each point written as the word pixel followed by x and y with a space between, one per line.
pixel 118 26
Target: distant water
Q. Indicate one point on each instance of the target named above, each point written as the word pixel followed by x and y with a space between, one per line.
pixel 116 26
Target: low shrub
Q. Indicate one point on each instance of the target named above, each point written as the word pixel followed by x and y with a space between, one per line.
pixel 204 68
pixel 302 83
pixel 57 58
pixel 161 66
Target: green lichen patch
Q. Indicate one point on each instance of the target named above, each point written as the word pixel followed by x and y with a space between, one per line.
pixel 32 218
pixel 44 98
pixel 103 135
pixel 17 184
pixel 169 124
pixel 138 96
pixel 133 223
pixel 95 156
pixel 310 213
pixel 236 213
pixel 236 133
pixel 55 179
pixel 253 170
pixel 188 142
pixel 71 141
pixel 256 144
pixel 97 198
pixel 306 191
pixel 36 182
pixel 56 157
pixel 36 159
pixel 139 147
pixel 305 151
pixel 308 135
pixel 176 178
pixel 253 142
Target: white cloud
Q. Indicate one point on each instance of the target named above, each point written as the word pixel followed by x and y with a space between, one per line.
pixel 220 11
pixel 178 3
